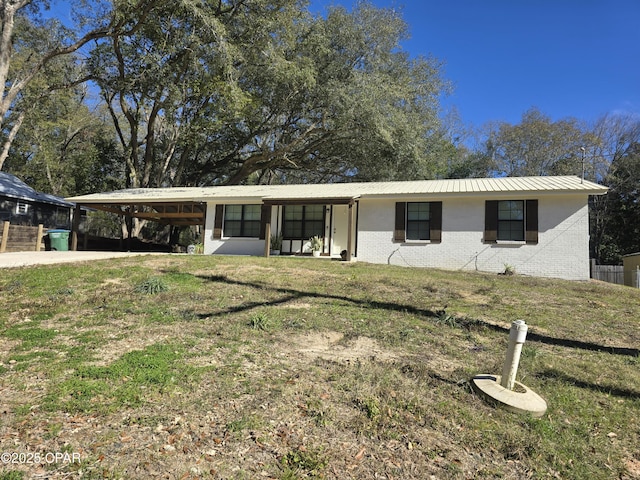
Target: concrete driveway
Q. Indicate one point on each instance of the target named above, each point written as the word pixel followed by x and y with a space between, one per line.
pixel 26 259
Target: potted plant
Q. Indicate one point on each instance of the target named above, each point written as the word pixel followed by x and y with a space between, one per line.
pixel 316 245
pixel 195 248
pixel 276 243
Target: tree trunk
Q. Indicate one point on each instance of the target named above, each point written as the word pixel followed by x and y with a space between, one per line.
pixel 12 135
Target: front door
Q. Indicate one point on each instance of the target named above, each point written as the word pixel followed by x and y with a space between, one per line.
pixel 339 229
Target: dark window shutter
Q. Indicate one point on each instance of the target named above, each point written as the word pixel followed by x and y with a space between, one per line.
pixel 217 222
pixel 435 222
pixel 491 221
pixel 399 232
pixel 265 217
pixel 531 228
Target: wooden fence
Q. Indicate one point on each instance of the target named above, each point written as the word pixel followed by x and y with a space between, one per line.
pixel 608 273
pixel 19 238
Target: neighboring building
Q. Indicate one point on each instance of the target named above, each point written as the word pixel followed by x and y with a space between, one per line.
pixel 535 225
pixel 631 269
pixel 22 205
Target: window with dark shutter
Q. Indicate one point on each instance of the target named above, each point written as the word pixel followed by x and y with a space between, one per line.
pixel 531 233
pixel 435 234
pixel 511 220
pixel 417 221
pixel 399 231
pixel 491 221
pixel 217 222
pixel 265 217
pixel 242 221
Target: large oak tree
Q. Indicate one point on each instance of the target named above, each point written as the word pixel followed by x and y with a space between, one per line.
pixel 262 91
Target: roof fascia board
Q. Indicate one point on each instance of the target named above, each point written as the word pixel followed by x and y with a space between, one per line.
pixel 60 203
pixel 311 201
pixel 497 194
pixel 233 200
pixel 135 200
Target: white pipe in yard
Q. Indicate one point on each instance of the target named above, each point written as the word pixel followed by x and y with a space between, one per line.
pixel 517 335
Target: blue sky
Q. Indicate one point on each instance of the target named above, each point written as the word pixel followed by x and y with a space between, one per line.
pixel 569 58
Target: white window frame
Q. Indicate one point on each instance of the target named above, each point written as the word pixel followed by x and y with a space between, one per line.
pixel 22 208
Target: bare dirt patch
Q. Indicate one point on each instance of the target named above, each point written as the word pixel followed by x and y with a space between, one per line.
pixel 296 305
pixel 7 345
pixel 475 298
pixel 333 346
pixel 21 315
pixel 633 467
pixel 112 281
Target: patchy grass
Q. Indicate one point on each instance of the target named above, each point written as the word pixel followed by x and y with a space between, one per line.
pixel 125 383
pixel 283 368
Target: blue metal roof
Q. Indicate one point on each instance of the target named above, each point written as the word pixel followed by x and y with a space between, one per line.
pixel 12 187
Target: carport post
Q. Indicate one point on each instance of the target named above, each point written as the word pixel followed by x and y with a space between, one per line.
pixel 129 222
pixel 39 237
pixel 5 236
pixel 75 228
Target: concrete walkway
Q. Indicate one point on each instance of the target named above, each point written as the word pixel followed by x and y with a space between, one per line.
pixel 26 259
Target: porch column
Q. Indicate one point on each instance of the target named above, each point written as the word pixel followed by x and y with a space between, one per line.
pixel 350 223
pixel 267 235
pixel 203 235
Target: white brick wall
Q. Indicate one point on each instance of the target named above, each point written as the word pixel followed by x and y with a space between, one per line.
pixel 228 246
pixel 562 250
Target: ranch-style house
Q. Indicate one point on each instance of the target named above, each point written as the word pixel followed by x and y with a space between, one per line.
pixel 537 226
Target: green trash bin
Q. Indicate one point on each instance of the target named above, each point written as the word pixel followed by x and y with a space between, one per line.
pixel 59 240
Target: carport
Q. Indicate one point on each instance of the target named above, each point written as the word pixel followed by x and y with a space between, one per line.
pixel 167 206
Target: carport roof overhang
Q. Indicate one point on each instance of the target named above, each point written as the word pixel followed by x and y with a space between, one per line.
pixel 184 213
pixel 187 205
pixel 179 213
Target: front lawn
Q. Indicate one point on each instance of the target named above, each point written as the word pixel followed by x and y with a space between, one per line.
pixel 244 367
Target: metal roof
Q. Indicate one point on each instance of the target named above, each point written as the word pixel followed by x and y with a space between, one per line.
pixel 439 188
pixel 12 187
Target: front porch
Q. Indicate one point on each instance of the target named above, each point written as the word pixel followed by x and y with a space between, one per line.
pixel 334 220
